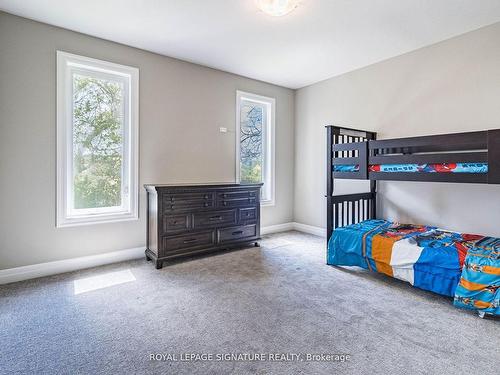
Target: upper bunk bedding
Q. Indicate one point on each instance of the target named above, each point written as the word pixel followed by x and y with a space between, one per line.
pixel 426 257
pixel 418 168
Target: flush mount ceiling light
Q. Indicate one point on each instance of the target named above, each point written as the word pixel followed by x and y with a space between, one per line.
pixel 277 8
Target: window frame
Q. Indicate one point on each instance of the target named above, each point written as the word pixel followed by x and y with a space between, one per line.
pixel 67 64
pixel 269 135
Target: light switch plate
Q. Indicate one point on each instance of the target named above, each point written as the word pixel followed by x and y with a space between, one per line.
pixel 223 130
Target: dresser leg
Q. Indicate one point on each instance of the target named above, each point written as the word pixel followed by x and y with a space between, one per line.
pixel 159 264
pixel 256 244
pixel 148 258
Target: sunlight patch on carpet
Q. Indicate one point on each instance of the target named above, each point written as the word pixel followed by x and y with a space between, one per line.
pixel 105 280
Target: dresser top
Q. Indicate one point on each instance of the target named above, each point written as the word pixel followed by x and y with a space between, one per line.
pixel 202 185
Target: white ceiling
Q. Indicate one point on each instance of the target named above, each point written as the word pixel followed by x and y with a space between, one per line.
pixel 320 39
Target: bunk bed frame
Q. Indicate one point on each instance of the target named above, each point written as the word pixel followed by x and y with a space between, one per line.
pixel 347 146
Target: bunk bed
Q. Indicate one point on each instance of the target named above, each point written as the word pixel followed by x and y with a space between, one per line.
pixel 459 265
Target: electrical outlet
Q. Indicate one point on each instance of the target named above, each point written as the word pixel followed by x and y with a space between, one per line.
pixel 223 130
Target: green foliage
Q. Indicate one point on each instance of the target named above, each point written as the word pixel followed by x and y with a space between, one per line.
pixel 251 173
pixel 97 142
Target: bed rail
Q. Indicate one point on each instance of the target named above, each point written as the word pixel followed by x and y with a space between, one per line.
pixel 472 147
pixel 354 153
pixel 352 208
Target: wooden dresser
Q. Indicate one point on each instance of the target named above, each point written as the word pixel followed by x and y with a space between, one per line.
pixel 189 219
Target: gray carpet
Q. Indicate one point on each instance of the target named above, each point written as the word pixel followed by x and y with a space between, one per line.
pixel 280 298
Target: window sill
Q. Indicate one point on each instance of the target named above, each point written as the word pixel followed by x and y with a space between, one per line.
pixel 267 203
pixel 104 219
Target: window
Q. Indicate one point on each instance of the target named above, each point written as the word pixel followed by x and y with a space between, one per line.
pixel 97 138
pixel 255 116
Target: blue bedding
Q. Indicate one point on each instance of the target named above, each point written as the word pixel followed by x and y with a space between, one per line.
pixel 427 257
pixel 418 254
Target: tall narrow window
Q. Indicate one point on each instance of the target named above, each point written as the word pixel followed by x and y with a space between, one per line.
pixel 255 142
pixel 97 131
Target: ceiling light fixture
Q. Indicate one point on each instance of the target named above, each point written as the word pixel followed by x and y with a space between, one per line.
pixel 277 8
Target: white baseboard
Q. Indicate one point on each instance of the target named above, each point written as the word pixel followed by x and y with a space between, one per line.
pixel 318 231
pixel 12 275
pixel 276 228
pixel 52 268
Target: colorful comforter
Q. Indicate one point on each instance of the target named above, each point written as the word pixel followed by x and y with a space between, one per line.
pixel 426 257
pixel 479 287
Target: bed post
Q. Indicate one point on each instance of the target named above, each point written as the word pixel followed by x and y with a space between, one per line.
pixel 329 181
pixel 372 136
pixel 493 156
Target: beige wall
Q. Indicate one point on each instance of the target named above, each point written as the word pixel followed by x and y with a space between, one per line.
pixel 182 106
pixel 452 86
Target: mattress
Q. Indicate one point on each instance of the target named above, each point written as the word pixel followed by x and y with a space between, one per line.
pixel 419 168
pixel 459 265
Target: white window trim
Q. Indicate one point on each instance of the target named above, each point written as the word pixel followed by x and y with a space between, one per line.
pixel 270 144
pixel 64 140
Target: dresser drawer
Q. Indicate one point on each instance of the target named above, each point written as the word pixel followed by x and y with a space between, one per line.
pixel 235 194
pixel 188 201
pixel 237 202
pixel 189 196
pixel 214 218
pixel 237 233
pixel 248 214
pixel 191 241
pixel 176 223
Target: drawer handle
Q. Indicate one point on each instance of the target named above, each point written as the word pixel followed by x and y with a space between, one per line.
pixel 205 196
pixel 205 204
pixel 224 195
pixel 237 232
pixel 215 218
pixel 224 203
pixel 190 240
pixel 171 206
